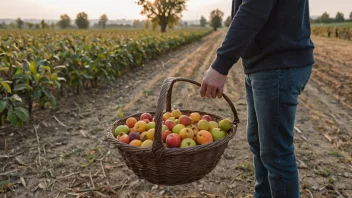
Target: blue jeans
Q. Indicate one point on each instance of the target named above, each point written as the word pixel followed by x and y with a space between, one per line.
pixel 272 99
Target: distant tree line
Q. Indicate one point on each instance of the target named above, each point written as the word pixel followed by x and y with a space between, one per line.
pixel 339 18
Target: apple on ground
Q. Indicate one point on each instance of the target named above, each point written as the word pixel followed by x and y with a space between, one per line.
pixel 204 137
pixel 187 142
pixel 121 129
pixel 178 128
pixel 147 144
pixel 207 118
pixel 218 134
pixel 195 117
pixel 203 125
pixel 165 134
pixel 176 113
pixel 225 124
pixel 150 125
pixel 186 133
pixel 134 136
pixel 123 137
pixel 130 122
pixel 185 120
pixel 170 124
pixel 146 116
pixel 173 140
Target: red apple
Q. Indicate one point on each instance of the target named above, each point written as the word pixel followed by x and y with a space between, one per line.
pixel 146 121
pixel 146 116
pixel 207 118
pixel 123 137
pixel 173 140
pixel 170 124
pixel 165 134
pixel 185 120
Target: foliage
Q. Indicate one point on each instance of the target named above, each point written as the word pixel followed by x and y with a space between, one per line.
pixel 325 18
pixel 227 22
pixel 65 21
pixel 203 21
pixel 44 25
pixel 341 30
pixel 19 23
pixel 103 20
pixel 82 21
pixel 36 66
pixel 166 13
pixel 339 17
pixel 351 15
pixel 216 19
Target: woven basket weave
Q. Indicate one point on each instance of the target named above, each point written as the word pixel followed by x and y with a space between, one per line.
pixel 172 166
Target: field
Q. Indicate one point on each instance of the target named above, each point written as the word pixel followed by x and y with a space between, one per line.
pixel 63 151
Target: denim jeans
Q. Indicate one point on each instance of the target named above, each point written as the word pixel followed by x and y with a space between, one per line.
pixel 272 99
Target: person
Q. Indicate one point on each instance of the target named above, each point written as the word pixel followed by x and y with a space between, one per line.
pixel 272 37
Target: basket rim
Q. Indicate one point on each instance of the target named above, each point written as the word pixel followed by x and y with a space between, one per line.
pixel 171 151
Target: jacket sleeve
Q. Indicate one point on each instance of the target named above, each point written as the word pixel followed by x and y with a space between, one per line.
pixel 249 19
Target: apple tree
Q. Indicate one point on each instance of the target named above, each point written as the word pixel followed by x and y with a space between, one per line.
pixel 166 13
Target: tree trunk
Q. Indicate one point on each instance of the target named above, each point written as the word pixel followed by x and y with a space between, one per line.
pixel 163 23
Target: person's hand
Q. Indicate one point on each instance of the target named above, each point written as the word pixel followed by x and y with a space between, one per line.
pixel 212 84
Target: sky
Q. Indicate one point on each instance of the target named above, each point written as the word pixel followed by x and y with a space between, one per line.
pixel 128 9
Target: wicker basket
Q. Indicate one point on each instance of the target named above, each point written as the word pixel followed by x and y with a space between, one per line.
pixel 172 166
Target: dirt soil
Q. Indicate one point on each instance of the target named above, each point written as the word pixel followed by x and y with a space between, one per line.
pixel 64 152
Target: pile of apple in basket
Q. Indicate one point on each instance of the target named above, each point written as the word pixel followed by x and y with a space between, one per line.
pixel 178 130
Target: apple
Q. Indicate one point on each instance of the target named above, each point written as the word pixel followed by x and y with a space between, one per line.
pixel 176 121
pixel 140 126
pixel 195 117
pixel 136 143
pixel 147 144
pixel 123 137
pixel 164 128
pixel 135 136
pixel 188 142
pixel 144 136
pixel 173 140
pixel 146 116
pixel 217 133
pixel 166 115
pixel 194 128
pixel 176 113
pixel 204 137
pixel 225 124
pixel 172 119
pixel 185 120
pixel 203 125
pixel 150 125
pixel 146 121
pixel 213 124
pixel 130 122
pixel 207 118
pixel 165 134
pixel 121 129
pixel 186 133
pixel 170 124
pixel 150 134
pixel 178 128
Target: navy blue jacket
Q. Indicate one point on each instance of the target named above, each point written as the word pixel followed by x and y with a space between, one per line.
pixel 267 35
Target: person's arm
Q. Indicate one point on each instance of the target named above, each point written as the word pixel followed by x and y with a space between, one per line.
pixel 249 19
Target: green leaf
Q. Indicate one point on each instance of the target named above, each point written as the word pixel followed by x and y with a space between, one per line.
pixel 45 68
pixel 37 93
pixel 5 69
pixel 61 79
pixel 21 87
pixel 33 68
pixel 52 101
pixel 16 98
pixel 60 67
pixel 2 120
pixel 22 113
pixel 6 86
pixel 2 106
pixel 12 117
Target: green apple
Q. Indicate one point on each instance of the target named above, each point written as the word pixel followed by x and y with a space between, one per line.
pixel 213 124
pixel 164 128
pixel 203 125
pixel 121 129
pixel 225 124
pixel 187 142
pixel 172 119
pixel 150 125
pixel 217 133
pixel 178 128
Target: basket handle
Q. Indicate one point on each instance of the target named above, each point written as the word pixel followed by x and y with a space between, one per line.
pixel 165 98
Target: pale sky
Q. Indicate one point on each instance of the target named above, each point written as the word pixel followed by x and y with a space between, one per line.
pixel 118 9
